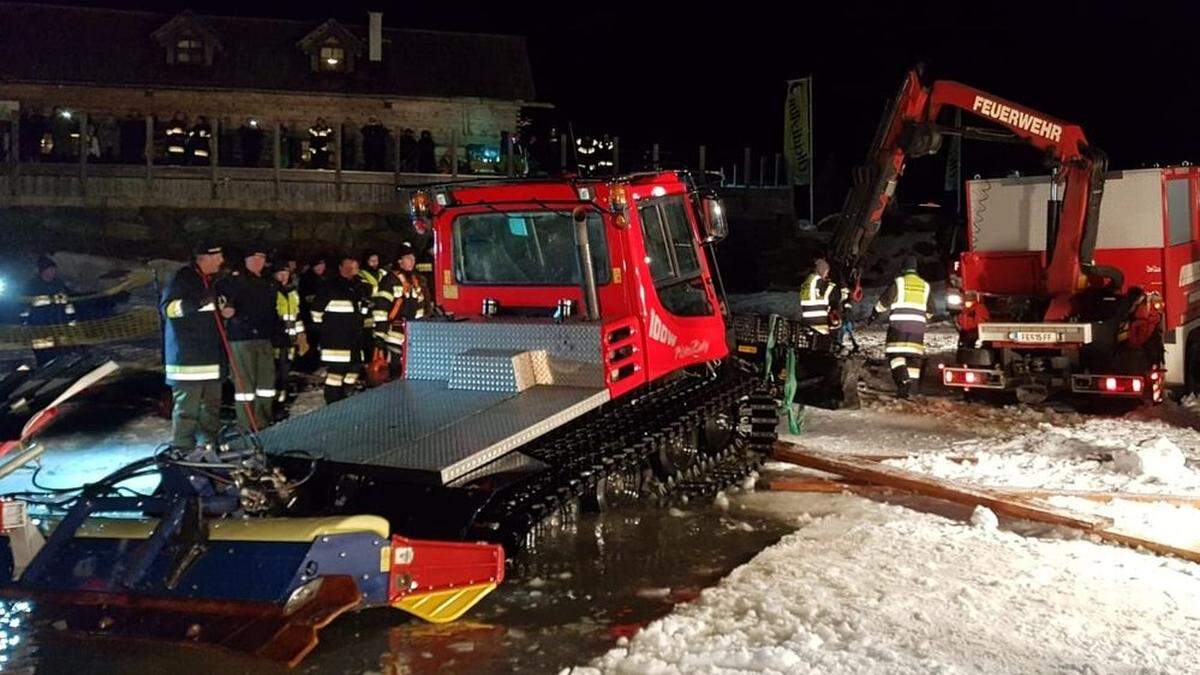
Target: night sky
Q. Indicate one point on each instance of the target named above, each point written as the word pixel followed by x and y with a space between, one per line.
pixel 684 74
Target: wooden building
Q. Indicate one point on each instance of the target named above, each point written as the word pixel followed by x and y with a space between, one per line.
pixel 249 78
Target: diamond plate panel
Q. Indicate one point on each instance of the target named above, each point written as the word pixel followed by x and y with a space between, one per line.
pixel 492 370
pixel 432 344
pixel 424 427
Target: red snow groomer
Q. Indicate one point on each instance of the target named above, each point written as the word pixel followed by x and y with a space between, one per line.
pixel 1040 309
pixel 579 360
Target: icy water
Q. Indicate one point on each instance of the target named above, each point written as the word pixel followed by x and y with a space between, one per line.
pixel 586 586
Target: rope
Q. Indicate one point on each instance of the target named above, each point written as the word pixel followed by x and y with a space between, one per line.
pixel 137 324
pixel 233 369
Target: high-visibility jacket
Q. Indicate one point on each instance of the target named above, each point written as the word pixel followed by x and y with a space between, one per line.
pixel 176 134
pixel 340 308
pixel 815 296
pixel 48 303
pixel 400 296
pixel 287 306
pixel 370 279
pixel 192 343
pixel 909 303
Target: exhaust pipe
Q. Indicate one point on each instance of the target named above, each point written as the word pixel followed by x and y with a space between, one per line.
pixel 591 300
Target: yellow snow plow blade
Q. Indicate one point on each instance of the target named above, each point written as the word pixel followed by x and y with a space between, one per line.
pixel 444 606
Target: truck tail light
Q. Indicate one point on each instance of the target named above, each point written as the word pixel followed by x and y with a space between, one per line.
pixel 1118 385
pixel 962 376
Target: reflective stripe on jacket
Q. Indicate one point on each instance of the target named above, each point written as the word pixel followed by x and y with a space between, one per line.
pixel 908 302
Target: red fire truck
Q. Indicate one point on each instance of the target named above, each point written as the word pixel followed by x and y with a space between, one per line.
pixel 1050 300
pixel 1129 344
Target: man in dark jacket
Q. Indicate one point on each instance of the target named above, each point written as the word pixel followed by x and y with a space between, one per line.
pixel 374 137
pixel 339 310
pixel 408 151
pixel 312 279
pixel 192 347
pixel 49 305
pixel 426 153
pixel 253 331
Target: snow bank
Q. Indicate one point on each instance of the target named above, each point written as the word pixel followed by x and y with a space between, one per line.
pixel 882 589
pixel 1098 454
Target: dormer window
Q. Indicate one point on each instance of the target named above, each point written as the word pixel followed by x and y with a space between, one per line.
pixel 187 40
pixel 189 50
pixel 332 58
pixel 332 48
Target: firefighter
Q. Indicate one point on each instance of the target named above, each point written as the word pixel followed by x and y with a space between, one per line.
pixel 252 331
pixel 199 141
pixel 319 135
pixel 49 305
pixel 909 303
pixel 176 139
pixel 294 341
pixel 192 347
pixel 403 294
pixel 817 295
pixel 312 280
pixel 370 273
pixel 339 310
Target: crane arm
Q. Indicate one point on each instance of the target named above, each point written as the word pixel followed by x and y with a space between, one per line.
pixel 910 129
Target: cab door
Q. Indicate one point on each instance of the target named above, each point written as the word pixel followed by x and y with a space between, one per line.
pixel 680 311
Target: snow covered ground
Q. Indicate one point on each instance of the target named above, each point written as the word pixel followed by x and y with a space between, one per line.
pixel 879 588
pixel 912 587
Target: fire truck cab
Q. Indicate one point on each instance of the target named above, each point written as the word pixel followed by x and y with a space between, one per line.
pixel 1128 340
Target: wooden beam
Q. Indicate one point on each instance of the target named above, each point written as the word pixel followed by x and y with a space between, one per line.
pixel 817 484
pixel 1002 503
pixel 908 481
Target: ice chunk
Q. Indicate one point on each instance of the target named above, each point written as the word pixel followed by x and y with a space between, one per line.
pixel 1158 460
pixel 721 501
pixel 984 518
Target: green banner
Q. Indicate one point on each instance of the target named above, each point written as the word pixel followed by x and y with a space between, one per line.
pixel 797 130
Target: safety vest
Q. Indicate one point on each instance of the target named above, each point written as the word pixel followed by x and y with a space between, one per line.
pixel 814 303
pixel 287 305
pixel 907 315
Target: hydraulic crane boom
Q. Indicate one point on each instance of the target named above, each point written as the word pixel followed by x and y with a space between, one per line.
pixel 910 129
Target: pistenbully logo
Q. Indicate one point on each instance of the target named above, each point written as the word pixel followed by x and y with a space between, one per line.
pixel 659 331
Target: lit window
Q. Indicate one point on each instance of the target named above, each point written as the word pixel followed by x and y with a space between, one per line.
pixel 332 59
pixel 189 50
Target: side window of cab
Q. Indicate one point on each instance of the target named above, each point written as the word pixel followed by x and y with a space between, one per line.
pixel 672 257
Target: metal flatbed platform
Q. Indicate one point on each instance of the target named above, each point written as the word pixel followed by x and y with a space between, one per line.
pixel 422 426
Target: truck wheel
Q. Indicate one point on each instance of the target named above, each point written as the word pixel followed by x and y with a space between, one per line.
pixel 1191 366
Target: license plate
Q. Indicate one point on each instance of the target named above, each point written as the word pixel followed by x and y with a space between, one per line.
pixel 1038 337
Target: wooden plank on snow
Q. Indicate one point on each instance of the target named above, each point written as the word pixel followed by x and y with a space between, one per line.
pixel 999 502
pixel 908 481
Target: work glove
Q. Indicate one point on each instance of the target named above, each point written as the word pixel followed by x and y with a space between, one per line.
pixel 302 344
